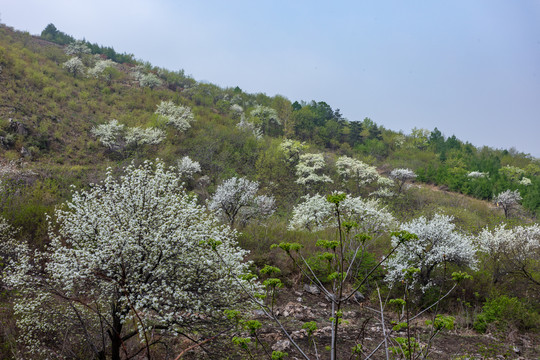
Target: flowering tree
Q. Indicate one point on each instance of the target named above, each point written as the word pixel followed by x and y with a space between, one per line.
pixel 438 242
pixel 309 170
pixel 136 136
pixel 507 200
pixel 98 71
pixel 178 116
pixel 316 213
pixel 356 170
pixel 477 174
pixel 292 149
pixel 265 118
pixel 512 251
pixel 236 199
pixel 74 66
pixel 187 167
pixel 110 134
pixel 128 258
pixel 77 48
pixel 401 176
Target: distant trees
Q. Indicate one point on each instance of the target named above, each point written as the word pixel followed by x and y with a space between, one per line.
pixel 236 200
pixel 507 200
pixel 128 264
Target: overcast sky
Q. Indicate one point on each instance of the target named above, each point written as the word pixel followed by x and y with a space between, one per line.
pixel 469 68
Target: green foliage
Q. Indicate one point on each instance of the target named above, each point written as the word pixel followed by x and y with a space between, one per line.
pixel 442 322
pixel 278 355
pixel 503 311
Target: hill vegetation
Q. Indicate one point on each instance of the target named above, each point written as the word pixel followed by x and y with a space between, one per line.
pixel 69 110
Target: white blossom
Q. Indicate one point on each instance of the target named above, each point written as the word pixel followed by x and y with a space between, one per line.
pixel 292 149
pixel 507 200
pixel 401 176
pixel 477 174
pixel 129 250
pixel 236 199
pixel 187 167
pixel 178 116
pixel 99 68
pixel 74 66
pixel 356 170
pixel 316 213
pixel 309 170
pixel 438 241
pixel 512 251
pixel 149 80
pixel 77 48
pixel 110 134
pixel 525 181
pixel 245 125
pixel 137 137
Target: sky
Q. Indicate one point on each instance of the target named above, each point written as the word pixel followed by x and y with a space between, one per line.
pixel 469 68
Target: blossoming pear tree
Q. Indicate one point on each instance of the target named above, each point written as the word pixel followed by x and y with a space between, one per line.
pixel 129 263
pixel 512 251
pixel 236 199
pixel 437 241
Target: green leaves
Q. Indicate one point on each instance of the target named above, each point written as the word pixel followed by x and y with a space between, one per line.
pixel 442 322
pixel 287 247
pixel 403 236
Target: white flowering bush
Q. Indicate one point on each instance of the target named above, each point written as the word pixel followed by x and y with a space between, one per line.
pixel 248 126
pixel 356 170
pixel 477 174
pixel 316 213
pixel 438 241
pixel 110 134
pixel 77 48
pixel 309 170
pixel 178 116
pixel 507 200
pixel 131 258
pixel 236 200
pixel 187 167
pixel 265 118
pixel 525 181
pixel 98 71
pixel 149 80
pixel 401 176
pixel 292 149
pixel 136 136
pixel 74 66
pixel 512 251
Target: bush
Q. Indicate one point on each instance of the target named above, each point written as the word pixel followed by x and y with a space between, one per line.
pixel 503 312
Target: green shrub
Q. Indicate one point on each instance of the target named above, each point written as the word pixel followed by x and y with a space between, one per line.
pixel 504 311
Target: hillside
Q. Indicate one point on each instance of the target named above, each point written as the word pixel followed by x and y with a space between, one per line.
pixel 58 101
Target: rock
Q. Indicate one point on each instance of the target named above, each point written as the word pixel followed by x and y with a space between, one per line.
pixel 258 313
pixel 281 345
pixel 358 296
pixel 516 349
pixel 297 293
pixel 25 152
pixel 311 289
pixel 299 299
pixel 17 127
